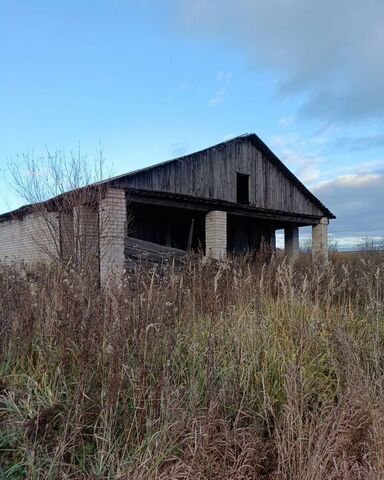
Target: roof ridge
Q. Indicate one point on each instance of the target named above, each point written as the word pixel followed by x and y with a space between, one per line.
pixel 165 162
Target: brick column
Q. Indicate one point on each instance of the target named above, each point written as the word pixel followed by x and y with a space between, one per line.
pixel 291 241
pixel 112 230
pixel 86 235
pixel 320 240
pixel 216 234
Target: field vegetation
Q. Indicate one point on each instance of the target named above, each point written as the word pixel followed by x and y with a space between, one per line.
pixel 241 370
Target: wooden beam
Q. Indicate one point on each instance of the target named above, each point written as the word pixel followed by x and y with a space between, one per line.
pixel 138 249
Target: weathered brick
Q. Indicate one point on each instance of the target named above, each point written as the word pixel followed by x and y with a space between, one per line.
pixel 320 240
pixel 216 234
pixel 112 224
pixel 31 239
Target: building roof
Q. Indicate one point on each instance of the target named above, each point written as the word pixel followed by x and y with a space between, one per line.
pixel 261 146
pixel 252 137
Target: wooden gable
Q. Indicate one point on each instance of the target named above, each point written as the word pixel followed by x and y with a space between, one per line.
pixel 212 173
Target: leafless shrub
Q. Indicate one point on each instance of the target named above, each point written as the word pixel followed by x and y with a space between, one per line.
pixel 371 247
pixel 64 193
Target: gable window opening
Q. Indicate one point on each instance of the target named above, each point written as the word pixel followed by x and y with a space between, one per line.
pixel 242 188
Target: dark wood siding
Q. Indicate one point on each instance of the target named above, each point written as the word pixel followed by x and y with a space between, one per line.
pixel 212 174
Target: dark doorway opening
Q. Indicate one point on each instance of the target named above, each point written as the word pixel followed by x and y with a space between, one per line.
pixel 242 188
pixel 249 234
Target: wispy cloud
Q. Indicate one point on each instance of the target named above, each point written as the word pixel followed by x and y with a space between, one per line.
pixel 360 143
pixel 178 149
pixel 356 200
pixel 229 136
pixel 300 155
pixel 287 121
pixel 339 74
pixel 218 98
pixel 306 167
pixel 370 166
pixel 223 78
pixel 189 87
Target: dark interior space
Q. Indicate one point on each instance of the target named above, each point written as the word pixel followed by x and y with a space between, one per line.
pixel 242 188
pixel 171 227
pixel 247 234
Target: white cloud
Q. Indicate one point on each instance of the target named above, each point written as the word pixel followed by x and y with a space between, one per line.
pixel 178 149
pixel 306 167
pixel 356 180
pixel 357 201
pixel 287 121
pixel 229 136
pixel 224 76
pixel 300 156
pixel 361 143
pixel 218 98
pixel 371 166
pixel 329 51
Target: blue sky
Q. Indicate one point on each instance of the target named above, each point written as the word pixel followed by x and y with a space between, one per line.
pixel 152 80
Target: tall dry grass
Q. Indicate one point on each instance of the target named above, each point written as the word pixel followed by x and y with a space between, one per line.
pixel 232 371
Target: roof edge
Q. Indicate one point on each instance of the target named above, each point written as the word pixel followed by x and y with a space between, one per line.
pixel 260 145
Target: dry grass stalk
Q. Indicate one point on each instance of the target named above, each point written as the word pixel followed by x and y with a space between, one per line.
pixel 240 371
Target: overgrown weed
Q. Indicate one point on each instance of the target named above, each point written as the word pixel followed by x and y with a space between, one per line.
pixel 243 370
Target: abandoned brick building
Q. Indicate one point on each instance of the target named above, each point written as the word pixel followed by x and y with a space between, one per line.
pixel 231 197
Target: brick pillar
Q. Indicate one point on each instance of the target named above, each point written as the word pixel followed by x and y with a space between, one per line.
pixel 291 241
pixel 112 230
pixel 86 235
pixel 320 240
pixel 216 234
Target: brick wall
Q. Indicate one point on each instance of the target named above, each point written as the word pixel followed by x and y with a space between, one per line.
pixel 112 224
pixel 33 238
pixel 95 233
pixel 67 236
pixel 216 234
